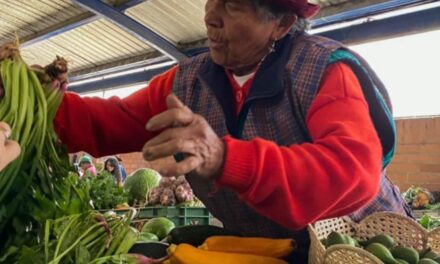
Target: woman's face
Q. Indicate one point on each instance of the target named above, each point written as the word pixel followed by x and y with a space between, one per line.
pixel 237 36
pixel 109 166
pixel 85 165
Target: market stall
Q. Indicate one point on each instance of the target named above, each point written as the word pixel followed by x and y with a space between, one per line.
pixel 53 212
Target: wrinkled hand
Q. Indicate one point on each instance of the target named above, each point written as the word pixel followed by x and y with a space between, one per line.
pixel 53 75
pixel 187 133
pixel 9 149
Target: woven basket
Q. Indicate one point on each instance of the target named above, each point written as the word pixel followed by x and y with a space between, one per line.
pixel 343 254
pixel 321 230
pixel 405 231
pixel 434 240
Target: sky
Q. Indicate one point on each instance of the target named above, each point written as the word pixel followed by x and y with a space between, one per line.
pixel 409 67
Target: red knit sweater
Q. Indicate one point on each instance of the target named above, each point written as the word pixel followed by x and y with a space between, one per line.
pixel 335 175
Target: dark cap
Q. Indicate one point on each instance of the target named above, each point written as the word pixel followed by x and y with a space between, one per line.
pixel 301 7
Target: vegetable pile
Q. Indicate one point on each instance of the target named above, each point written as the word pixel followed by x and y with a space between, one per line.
pixel 421 198
pixel 104 192
pixel 36 186
pixel 384 248
pixel 45 214
pixel 231 249
pixel 429 222
pixel 171 191
pixel 84 238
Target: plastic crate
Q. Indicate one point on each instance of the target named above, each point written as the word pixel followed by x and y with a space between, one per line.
pixel 120 211
pixel 181 216
pixel 419 213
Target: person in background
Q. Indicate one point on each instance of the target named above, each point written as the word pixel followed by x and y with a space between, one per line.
pixel 276 128
pixel 9 149
pixel 75 163
pixel 112 166
pixel 121 166
pixel 86 167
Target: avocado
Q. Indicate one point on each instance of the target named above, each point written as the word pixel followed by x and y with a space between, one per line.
pixel 431 255
pixel 335 238
pixel 424 251
pixel 427 261
pixel 385 240
pixel 405 253
pixel 382 253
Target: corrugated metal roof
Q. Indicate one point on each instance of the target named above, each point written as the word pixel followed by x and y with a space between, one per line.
pixel 102 43
pixel 91 45
pixel 181 21
pixel 26 17
pixel 176 20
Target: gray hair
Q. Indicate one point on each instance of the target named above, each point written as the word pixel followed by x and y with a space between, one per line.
pixel 268 12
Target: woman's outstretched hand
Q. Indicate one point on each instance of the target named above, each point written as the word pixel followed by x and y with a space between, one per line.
pixel 187 133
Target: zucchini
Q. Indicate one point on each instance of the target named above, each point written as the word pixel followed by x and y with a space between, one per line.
pixel 195 235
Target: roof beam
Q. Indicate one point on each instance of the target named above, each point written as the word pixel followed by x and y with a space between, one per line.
pixel 366 11
pixel 71 23
pixel 119 81
pixel 412 23
pixel 137 29
pixel 135 62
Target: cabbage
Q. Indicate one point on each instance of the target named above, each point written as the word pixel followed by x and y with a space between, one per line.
pixel 139 183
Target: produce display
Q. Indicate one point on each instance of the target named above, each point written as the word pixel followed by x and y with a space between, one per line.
pixel 429 222
pixel 46 214
pixel 104 192
pixel 211 248
pixel 384 248
pixel 38 185
pixel 205 244
pixel 172 191
pixel 230 249
pixel 187 254
pixel 422 198
pixel 84 238
pixel 274 248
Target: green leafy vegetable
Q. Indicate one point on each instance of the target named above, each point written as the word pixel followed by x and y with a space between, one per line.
pixel 104 192
pixel 429 222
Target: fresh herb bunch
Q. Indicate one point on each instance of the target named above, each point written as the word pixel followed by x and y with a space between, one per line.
pixel 429 222
pixel 104 192
pixel 84 238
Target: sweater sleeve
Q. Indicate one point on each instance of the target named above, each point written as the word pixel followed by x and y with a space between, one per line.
pixel 108 126
pixel 336 174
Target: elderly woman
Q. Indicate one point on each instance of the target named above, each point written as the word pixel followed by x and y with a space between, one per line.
pixel 274 128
